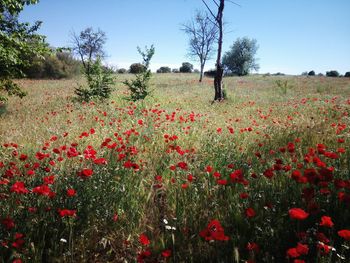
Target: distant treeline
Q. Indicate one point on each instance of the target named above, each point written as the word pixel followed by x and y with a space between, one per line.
pixel 57 65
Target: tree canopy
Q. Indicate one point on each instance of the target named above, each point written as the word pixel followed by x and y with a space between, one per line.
pixel 19 44
pixel 240 59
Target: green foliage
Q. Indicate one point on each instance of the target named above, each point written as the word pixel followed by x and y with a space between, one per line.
pixel 137 68
pixel 332 73
pixel 10 88
pixel 19 43
pixel 139 87
pixel 121 71
pixel 164 70
pixel 186 67
pixel 311 73
pixel 347 74
pixel 54 66
pixel 240 59
pixel 210 73
pixel 99 81
pixel 14 6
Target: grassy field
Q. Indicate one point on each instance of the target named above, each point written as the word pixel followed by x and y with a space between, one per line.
pixel 260 177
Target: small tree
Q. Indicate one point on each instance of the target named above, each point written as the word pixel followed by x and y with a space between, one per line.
pixel 202 35
pixel 121 71
pixel 164 70
pixel 89 47
pixel 240 59
pixel 311 73
pixel 186 67
pixel 99 79
pixel 347 74
pixel 332 73
pixel 136 68
pixel 139 87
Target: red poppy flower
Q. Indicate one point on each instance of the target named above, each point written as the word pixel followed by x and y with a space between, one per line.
pixel 166 253
pixel 214 231
pixel 302 249
pixel 66 213
pixel 19 188
pixel 143 239
pixel 249 212
pixel 326 221
pixel 344 234
pixel 298 214
pixel 71 192
pixel 292 253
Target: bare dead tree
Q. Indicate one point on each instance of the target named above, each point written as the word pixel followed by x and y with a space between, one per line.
pixel 88 45
pixel 218 21
pixel 202 35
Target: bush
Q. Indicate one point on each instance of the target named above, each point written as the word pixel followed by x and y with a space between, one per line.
pixel 311 73
pixel 99 80
pixel 137 68
pixel 56 66
pixel 305 73
pixel 175 70
pixel 347 74
pixel 121 71
pixel 210 73
pixel 186 67
pixel 332 73
pixel 320 75
pixel 164 70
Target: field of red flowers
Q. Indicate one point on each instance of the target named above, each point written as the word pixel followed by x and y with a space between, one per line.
pixel 261 177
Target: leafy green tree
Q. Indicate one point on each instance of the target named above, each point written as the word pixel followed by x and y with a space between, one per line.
pixel 19 43
pixel 164 70
pixel 332 73
pixel 186 67
pixel 240 59
pixel 136 68
pixel 139 87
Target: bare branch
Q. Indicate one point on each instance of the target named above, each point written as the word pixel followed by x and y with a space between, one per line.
pixel 211 12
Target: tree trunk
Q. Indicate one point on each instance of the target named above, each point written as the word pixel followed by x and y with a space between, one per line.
pixel 202 72
pixel 219 69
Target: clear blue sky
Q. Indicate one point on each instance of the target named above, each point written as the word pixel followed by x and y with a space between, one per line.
pixel 293 35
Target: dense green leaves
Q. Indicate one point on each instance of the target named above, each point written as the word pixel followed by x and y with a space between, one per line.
pixel 19 44
pixel 240 59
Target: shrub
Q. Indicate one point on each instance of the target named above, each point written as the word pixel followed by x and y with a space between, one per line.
pixel 175 70
pixel 99 81
pixel 311 73
pixel 210 73
pixel 305 73
pixel 347 74
pixel 332 73
pixel 137 68
pixel 139 87
pixel 320 75
pixel 164 70
pixel 55 66
pixel 186 67
pixel 121 71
